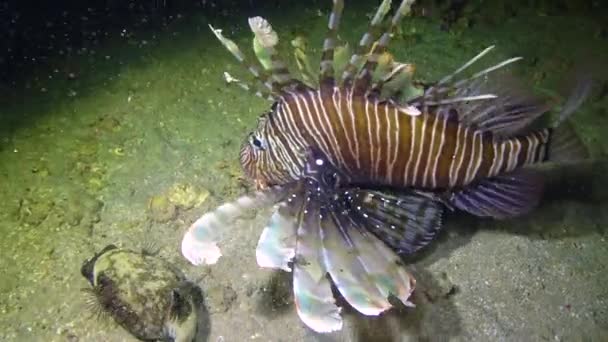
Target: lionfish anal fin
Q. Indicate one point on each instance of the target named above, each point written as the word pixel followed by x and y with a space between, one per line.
pixel 503 196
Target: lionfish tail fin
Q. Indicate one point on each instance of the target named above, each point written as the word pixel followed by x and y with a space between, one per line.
pixel 581 91
pixel 565 145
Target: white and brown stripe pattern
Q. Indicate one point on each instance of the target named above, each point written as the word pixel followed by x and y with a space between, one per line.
pixel 374 142
pixel 513 153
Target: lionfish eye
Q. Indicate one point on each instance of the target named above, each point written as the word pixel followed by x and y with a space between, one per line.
pixel 257 142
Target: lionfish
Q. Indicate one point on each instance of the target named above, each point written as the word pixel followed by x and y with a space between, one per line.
pixel 361 175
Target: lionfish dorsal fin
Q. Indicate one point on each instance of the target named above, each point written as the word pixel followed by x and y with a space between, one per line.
pixel 326 74
pixel 497 104
pixel 366 42
pixel 255 69
pixel 257 91
pixel 512 112
pixel 364 76
pixel 439 93
pixel 264 42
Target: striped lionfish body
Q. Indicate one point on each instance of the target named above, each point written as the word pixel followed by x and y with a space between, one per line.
pixel 378 142
pixel 360 171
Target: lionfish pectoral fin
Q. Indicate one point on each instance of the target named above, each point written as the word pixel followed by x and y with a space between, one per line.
pixel 347 269
pixel 503 196
pixel 565 147
pixel 277 244
pixel 200 243
pixel 406 221
pixel 315 303
pixel 382 266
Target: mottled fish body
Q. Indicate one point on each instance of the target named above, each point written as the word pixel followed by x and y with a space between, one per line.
pixel 144 294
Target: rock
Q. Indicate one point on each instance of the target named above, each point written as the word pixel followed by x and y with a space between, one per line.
pixel 164 207
pixel 186 196
pixel 160 209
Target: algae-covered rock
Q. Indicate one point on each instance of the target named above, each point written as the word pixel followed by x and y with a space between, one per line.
pixel 187 196
pixel 160 209
pixel 164 207
pixel 144 294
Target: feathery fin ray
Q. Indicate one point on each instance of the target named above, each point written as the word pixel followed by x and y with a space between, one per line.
pixel 365 43
pixel 314 299
pixel 364 76
pixel 346 269
pixel 277 244
pixel 327 73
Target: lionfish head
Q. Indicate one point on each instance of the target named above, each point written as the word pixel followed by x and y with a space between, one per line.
pixel 260 156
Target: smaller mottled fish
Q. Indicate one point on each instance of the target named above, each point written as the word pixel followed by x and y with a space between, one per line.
pixel 145 295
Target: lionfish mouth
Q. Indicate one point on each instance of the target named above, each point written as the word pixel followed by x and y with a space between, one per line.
pixel 261 185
